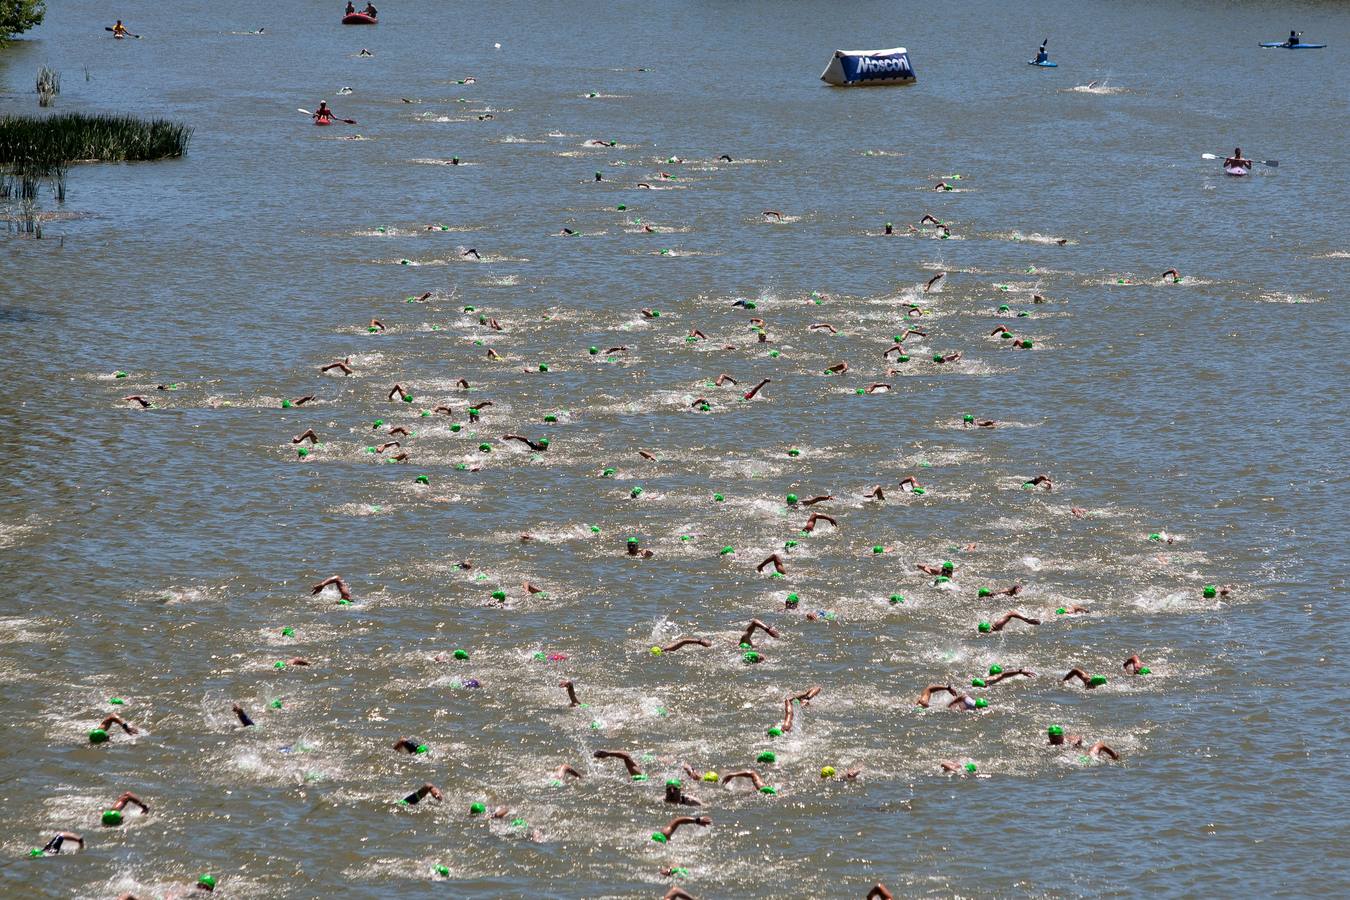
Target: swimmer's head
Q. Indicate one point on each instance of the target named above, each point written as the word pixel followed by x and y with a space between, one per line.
pixel 995 669
pixel 711 777
pixel 827 771
pixel 112 817
pixel 1055 734
pixel 981 703
pixel 97 736
pixel 477 809
pixel 985 628
pixel 206 883
pixel 768 756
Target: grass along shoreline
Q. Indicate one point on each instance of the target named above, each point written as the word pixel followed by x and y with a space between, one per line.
pixel 46 142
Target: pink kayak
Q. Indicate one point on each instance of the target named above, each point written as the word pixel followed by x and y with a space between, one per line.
pixel 1237 170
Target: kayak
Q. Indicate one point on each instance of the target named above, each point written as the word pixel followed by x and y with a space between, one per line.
pixel 1236 171
pixel 1044 65
pixel 1285 45
pixel 323 120
pixel 359 19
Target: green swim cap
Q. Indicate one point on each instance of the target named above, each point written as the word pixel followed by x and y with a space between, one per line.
pixel 977 682
pixel 751 656
pixel 967 418
pixel 635 492
pixel 639 777
pixel 711 777
pixel 970 767
pixel 1143 670
pixel 275 704
pixel 278 665
pixel 207 881
pixel 543 367
pixel 477 809
pixel 422 479
pixel 422 748
pixel 995 669
pixel 981 703
pixel 1097 680
pixel 942 579
pixel 717 498
pixel 674 782
pixel 766 756
pixel 794 452
pixel 442 871
pixel 485 447
pixel 621 207
pixel 878 549
pixel 775 731
pixel 659 837
pixel 985 628
pixel 112 817
pixel 768 789
pixel 897 598
pixel 550 418
pixel 1026 345
pixel 726 550
pixel 1061 611
pixel 499 595
pixel 937 357
pixel 97 736
pixel 35 852
pixel 788 545
pixel 791 499
pixel 462 653
pixel 983 592
pixel 456 427
pixel 285 404
pixel 1210 590
pixel 1054 730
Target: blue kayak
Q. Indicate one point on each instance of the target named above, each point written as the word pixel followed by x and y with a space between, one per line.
pixel 1285 45
pixel 1044 65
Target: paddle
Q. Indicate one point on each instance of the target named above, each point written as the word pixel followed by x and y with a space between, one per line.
pixel 335 118
pixel 1273 163
pixel 127 33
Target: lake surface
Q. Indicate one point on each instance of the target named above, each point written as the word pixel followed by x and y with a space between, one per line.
pixel 156 555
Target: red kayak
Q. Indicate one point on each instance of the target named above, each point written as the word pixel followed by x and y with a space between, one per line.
pixel 359 19
pixel 323 120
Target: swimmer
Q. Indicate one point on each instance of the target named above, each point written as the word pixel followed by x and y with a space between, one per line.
pixel 879 892
pixel 644 185
pixel 675 823
pixel 1013 673
pixel 470 252
pixel 876 493
pixel 675 795
pixel 878 387
pixel 934 280
pixel 623 757
pixel 949 357
pixel 343 590
pixel 772 213
pixel 926 697
pixel 571 689
pixel 686 642
pixel 999 329
pixel 564 770
pixel 127 797
pixel 537 446
pixel 242 715
pixel 1037 298
pixel 376 325
pixel 649 314
pixel 1176 276
pixel 943 186
pixel 822 326
pixel 966 703
pixel 408 745
pixel 750 394
pixel 724 379
pixel 1000 623
pixel 485 116
pixel 945 569
pixel 648 229
pixel 416 796
pixel 909 483
pixel 53 846
pixel 725 158
pixel 1089 682
pixel 1077 512
pixel 1042 480
pixel 445 409
pixel 953 768
pixel 701 402
pixel 750 630
pixel 1133 665
pixel 695 333
pixel 635 549
pixel 838 368
pixel 115 719
pixel 138 399
pixel 400 391
pixel 810 525
pixel 750 774
pixel 342 365
pixel 1072 609
pixel 777 564
pixel 567 232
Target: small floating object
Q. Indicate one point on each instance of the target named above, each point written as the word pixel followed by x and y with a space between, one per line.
pixel 865 67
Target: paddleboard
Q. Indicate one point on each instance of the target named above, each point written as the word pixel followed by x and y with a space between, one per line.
pixel 359 19
pixel 1237 170
pixel 1044 65
pixel 1270 45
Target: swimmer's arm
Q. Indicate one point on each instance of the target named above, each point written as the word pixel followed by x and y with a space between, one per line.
pixel 686 642
pixel 751 774
pixel 818 499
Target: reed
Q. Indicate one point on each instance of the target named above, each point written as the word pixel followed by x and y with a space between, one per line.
pixel 46 142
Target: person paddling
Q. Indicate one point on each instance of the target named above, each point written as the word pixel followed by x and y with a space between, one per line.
pixel 1295 38
pixel 323 115
pixel 1041 55
pixel 1237 159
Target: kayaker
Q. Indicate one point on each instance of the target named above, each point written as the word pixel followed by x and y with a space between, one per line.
pixel 350 8
pixel 1041 55
pixel 323 115
pixel 1237 159
pixel 119 30
pixel 1295 37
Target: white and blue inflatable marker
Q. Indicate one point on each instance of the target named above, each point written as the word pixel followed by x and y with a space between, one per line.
pixel 849 67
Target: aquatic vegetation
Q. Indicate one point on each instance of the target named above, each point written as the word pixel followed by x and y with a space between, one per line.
pixel 76 137
pixel 48 85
